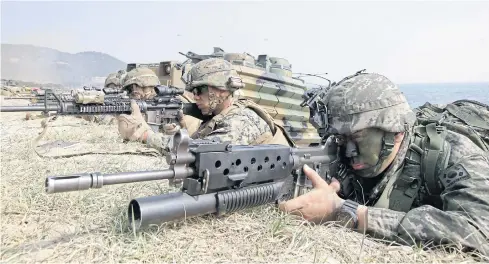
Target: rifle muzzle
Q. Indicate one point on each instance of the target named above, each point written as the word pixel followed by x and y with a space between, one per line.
pixel 32 108
pixel 85 181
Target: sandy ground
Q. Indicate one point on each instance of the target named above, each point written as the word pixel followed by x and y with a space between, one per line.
pixel 91 226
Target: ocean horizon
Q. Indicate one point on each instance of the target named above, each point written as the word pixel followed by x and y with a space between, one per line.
pixel 442 93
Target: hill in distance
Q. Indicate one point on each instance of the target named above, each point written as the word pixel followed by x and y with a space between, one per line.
pixel 45 65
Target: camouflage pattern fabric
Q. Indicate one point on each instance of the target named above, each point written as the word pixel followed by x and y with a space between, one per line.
pixel 353 108
pixel 112 79
pixel 159 142
pixel 214 72
pixel 140 76
pixel 121 74
pixel 467 117
pixel 462 217
pixel 143 93
pixel 267 81
pixel 140 82
pixel 242 127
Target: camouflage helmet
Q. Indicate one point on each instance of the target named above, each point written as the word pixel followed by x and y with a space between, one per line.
pixel 112 79
pixel 214 72
pixel 367 100
pixel 140 76
pixel 121 74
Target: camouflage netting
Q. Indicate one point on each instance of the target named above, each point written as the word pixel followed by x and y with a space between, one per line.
pixel 90 226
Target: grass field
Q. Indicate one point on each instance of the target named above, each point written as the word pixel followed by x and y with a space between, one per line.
pixel 91 226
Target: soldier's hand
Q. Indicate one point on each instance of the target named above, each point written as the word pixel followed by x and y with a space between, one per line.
pixel 133 127
pixel 181 120
pixel 170 129
pixel 320 204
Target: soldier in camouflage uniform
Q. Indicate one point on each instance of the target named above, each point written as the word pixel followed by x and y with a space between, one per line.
pixel 240 121
pixel 113 80
pixel 140 82
pixel 407 182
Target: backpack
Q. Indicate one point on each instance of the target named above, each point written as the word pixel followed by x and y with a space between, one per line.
pixel 467 117
pixel 429 152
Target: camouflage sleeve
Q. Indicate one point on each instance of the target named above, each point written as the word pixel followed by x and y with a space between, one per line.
pixel 158 141
pixel 464 219
pixel 240 128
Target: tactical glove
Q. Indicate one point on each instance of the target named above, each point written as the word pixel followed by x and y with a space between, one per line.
pixel 171 129
pixel 133 127
pixel 181 120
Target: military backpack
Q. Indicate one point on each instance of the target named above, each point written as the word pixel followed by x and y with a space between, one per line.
pixel 425 170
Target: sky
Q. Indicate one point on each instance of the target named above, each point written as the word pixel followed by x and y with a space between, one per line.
pixel 407 41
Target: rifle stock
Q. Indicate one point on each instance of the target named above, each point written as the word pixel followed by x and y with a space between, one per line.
pixel 216 178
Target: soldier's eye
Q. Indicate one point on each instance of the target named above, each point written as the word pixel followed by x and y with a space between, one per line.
pixel 199 90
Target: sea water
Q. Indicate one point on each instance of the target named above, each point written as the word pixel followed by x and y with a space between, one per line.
pixel 443 93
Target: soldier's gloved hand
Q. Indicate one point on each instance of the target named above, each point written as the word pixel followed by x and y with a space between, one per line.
pixel 133 127
pixel 318 205
pixel 181 120
pixel 170 129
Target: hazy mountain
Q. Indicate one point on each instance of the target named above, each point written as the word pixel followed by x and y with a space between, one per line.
pixel 45 65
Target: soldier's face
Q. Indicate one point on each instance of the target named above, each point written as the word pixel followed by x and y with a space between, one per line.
pixel 208 99
pixel 142 93
pixel 363 149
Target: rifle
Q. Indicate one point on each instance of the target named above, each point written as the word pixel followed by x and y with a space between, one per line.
pixel 216 178
pixel 162 109
pixel 50 97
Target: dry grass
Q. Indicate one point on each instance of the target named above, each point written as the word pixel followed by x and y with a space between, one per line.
pixel 91 226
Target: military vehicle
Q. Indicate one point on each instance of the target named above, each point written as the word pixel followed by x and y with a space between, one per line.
pixel 268 82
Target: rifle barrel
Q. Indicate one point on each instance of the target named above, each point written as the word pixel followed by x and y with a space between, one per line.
pixel 32 108
pixel 85 181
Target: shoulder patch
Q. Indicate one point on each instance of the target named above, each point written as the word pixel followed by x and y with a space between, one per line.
pixel 454 174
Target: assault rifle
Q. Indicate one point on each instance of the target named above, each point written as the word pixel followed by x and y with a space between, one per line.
pixel 162 109
pixel 216 178
pixel 50 97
